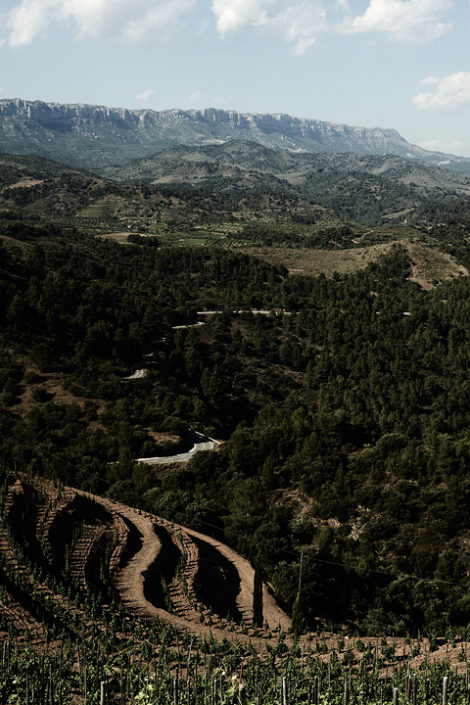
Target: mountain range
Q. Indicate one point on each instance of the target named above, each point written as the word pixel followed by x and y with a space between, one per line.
pixel 94 137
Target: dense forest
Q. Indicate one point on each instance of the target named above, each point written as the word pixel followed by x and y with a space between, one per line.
pixel 344 412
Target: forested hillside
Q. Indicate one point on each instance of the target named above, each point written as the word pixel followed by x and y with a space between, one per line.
pixel 225 185
pixel 344 413
pixel 38 190
pixel 359 188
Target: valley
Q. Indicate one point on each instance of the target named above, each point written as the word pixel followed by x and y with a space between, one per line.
pixel 234 412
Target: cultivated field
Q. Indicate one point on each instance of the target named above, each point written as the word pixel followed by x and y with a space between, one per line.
pixel 102 603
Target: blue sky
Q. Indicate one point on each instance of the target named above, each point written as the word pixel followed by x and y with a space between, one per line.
pixel 388 63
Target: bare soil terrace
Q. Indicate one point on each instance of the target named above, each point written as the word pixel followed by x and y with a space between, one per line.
pixel 53 539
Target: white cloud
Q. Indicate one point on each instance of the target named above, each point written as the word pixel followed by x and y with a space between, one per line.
pixel 413 21
pixel 299 22
pixel 429 81
pixel 128 21
pixel 449 92
pixel 145 95
pixel 235 14
pixel 28 19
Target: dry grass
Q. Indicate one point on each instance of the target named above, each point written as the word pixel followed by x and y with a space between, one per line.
pixel 314 262
pixel 160 437
pixel 429 266
pixel 25 183
pixel 120 238
pixel 12 242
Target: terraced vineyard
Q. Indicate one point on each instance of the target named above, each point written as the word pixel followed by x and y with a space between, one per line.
pixel 154 568
pixel 84 575
pixel 100 602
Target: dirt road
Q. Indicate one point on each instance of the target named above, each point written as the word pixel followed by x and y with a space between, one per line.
pixel 206 444
pixel 137 374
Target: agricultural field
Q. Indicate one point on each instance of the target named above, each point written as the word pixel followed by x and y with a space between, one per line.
pixel 103 603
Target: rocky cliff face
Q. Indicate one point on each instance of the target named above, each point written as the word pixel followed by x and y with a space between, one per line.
pixel 96 136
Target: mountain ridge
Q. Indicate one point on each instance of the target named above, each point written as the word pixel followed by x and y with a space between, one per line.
pixel 94 137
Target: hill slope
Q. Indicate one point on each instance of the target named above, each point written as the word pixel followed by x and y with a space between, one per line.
pixel 38 189
pixel 233 182
pixel 358 187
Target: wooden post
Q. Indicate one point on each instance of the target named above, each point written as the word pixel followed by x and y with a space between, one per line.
pixel 346 691
pixel 445 682
pixel 188 673
pixel 241 693
pixel 102 692
pixel 51 685
pixel 204 679
pixel 123 695
pixel 285 700
pixel 175 691
pixel 395 696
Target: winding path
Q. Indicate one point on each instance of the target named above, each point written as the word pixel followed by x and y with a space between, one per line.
pixel 189 325
pixel 206 444
pixel 137 374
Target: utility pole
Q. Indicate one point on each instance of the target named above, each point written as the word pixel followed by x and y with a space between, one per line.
pixel 300 571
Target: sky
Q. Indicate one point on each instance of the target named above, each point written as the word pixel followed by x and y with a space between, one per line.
pixel 403 64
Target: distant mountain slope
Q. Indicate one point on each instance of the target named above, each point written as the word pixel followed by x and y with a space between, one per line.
pixel 94 136
pixel 237 181
pixel 37 188
pixel 360 188
pixel 237 159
